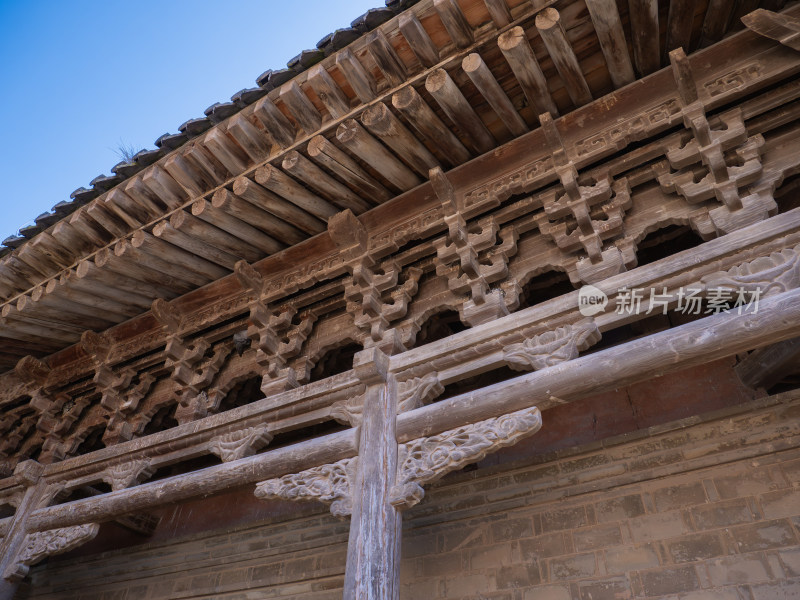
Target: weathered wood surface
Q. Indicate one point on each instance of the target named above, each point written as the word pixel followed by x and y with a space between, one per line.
pixel 353 136
pixel 423 119
pixel 699 342
pixel 608 27
pixel 783 28
pixel 209 159
pixel 691 344
pixel 765 367
pixel 516 48
pixel 381 122
pixel 419 40
pixel 550 27
pixel 209 481
pixel 373 547
pixel 487 85
pixel 780 63
pixel 441 86
pixel 645 34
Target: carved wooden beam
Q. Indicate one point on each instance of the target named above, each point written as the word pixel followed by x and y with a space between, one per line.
pixel 331 483
pixel 782 28
pixel 604 137
pixel 41 544
pixel 427 459
pixel 723 334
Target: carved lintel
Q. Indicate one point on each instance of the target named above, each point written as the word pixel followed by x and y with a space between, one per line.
pixel 773 274
pixel 239 444
pixel 425 460
pixel 552 347
pixel 41 544
pixel 327 483
pixel 128 474
pixel 418 391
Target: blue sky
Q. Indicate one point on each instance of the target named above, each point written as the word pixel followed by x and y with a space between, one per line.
pixel 80 77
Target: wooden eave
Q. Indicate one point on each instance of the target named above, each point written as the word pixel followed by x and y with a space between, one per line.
pixel 66 280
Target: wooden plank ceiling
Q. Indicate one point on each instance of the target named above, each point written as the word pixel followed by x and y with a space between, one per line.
pixel 436 85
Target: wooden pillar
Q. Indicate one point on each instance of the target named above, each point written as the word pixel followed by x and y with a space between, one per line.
pixel 373 550
pixel 29 472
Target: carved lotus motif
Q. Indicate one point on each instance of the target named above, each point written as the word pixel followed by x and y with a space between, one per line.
pixel 41 544
pixel 326 483
pixel 239 444
pixel 552 347
pixel 418 391
pixel 773 274
pixel 427 459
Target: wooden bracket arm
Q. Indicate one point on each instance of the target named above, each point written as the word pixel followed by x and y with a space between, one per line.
pixel 331 483
pixel 427 459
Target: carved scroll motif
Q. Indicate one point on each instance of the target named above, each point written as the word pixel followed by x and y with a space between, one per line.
pixel 418 391
pixel 552 347
pixel 426 459
pixel 326 483
pixel 239 444
pixel 128 474
pixel 41 544
pixel 773 274
pixel 349 411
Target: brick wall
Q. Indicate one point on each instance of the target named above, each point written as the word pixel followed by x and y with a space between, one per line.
pixel 699 509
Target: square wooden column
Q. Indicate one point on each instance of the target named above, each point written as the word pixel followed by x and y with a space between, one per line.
pixel 373 551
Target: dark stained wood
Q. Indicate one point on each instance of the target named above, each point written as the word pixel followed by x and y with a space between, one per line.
pixel 328 91
pixel 783 28
pixel 764 367
pixel 645 34
pixel 498 10
pixel 362 82
pixel 302 109
pixel 311 175
pixel 277 125
pixel 353 136
pixel 281 184
pixel 240 229
pixel 287 213
pixel 385 56
pixel 608 27
pixel 679 25
pixel 454 22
